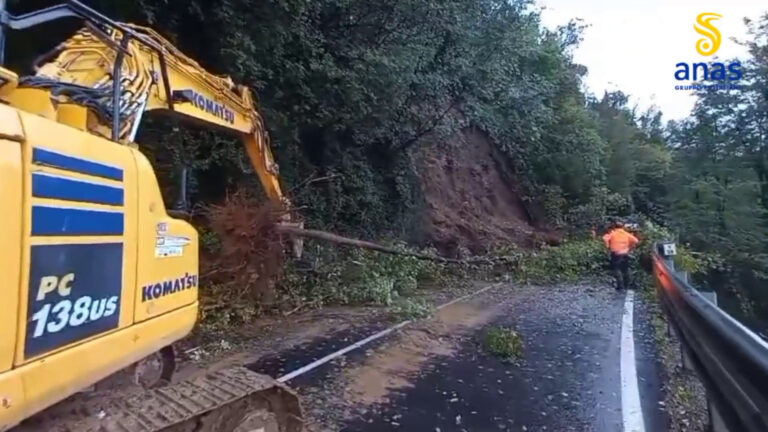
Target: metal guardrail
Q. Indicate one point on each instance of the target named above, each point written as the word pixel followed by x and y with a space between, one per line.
pixel 731 360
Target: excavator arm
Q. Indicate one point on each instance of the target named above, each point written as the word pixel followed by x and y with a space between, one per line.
pixel 151 74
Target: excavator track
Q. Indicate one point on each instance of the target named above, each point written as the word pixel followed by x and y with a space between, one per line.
pixel 230 400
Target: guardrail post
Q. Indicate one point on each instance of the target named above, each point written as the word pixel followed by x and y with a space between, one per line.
pixel 668 250
pixel 685 357
pixel 709 295
pixel 716 422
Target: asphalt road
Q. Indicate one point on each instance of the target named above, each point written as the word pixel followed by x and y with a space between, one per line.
pixel 578 371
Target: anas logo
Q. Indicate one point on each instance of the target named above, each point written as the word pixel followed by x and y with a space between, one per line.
pixel 710 43
pixel 725 75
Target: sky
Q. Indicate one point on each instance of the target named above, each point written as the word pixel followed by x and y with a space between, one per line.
pixel 634 45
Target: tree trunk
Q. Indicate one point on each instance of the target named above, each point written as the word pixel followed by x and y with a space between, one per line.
pixel 334 238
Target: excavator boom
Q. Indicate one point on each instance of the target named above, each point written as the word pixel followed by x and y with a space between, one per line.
pixel 151 74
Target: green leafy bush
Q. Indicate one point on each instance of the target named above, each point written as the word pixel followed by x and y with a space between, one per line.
pixel 356 276
pixel 411 309
pixel 505 343
pixel 686 259
pixel 569 262
pixel 210 241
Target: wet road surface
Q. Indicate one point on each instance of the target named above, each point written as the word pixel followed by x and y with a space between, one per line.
pixel 437 376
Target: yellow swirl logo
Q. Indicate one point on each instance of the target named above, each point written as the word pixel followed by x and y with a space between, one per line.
pixel 710 43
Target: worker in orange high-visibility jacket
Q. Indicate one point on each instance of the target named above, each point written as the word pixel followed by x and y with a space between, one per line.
pixel 620 242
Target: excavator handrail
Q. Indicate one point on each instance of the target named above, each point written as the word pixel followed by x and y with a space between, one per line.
pixel 72 8
pixel 51 13
pixel 93 19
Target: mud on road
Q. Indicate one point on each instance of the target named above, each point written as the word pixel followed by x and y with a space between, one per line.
pixel 435 375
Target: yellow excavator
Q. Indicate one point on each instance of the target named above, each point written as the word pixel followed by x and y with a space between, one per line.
pixel 96 276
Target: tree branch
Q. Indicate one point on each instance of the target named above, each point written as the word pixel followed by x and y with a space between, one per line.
pixel 346 241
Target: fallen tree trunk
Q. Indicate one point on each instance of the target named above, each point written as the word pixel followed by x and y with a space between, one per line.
pixel 346 241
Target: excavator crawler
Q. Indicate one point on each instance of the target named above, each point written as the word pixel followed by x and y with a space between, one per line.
pixel 95 276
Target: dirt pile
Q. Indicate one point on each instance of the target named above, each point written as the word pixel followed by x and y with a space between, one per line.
pixel 394 365
pixel 468 201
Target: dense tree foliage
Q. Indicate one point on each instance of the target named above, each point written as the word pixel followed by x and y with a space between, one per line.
pixel 718 196
pixel 350 88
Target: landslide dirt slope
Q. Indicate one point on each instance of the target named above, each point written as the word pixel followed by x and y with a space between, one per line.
pixel 468 201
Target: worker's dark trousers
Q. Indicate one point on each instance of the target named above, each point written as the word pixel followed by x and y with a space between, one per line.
pixel 620 268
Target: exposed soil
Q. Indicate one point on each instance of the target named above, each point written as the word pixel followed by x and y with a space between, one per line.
pixel 393 366
pixel 213 349
pixel 360 384
pixel 469 202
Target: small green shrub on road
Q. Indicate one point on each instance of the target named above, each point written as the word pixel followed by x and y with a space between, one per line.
pixel 411 309
pixel 505 343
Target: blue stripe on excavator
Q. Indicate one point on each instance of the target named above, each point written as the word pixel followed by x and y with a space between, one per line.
pixel 69 221
pixel 58 160
pixel 70 189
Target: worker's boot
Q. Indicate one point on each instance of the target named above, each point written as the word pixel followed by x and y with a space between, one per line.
pixel 626 276
pixel 619 281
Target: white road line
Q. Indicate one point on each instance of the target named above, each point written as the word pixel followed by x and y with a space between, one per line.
pixel 331 356
pixel 464 297
pixel 358 344
pixel 631 409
